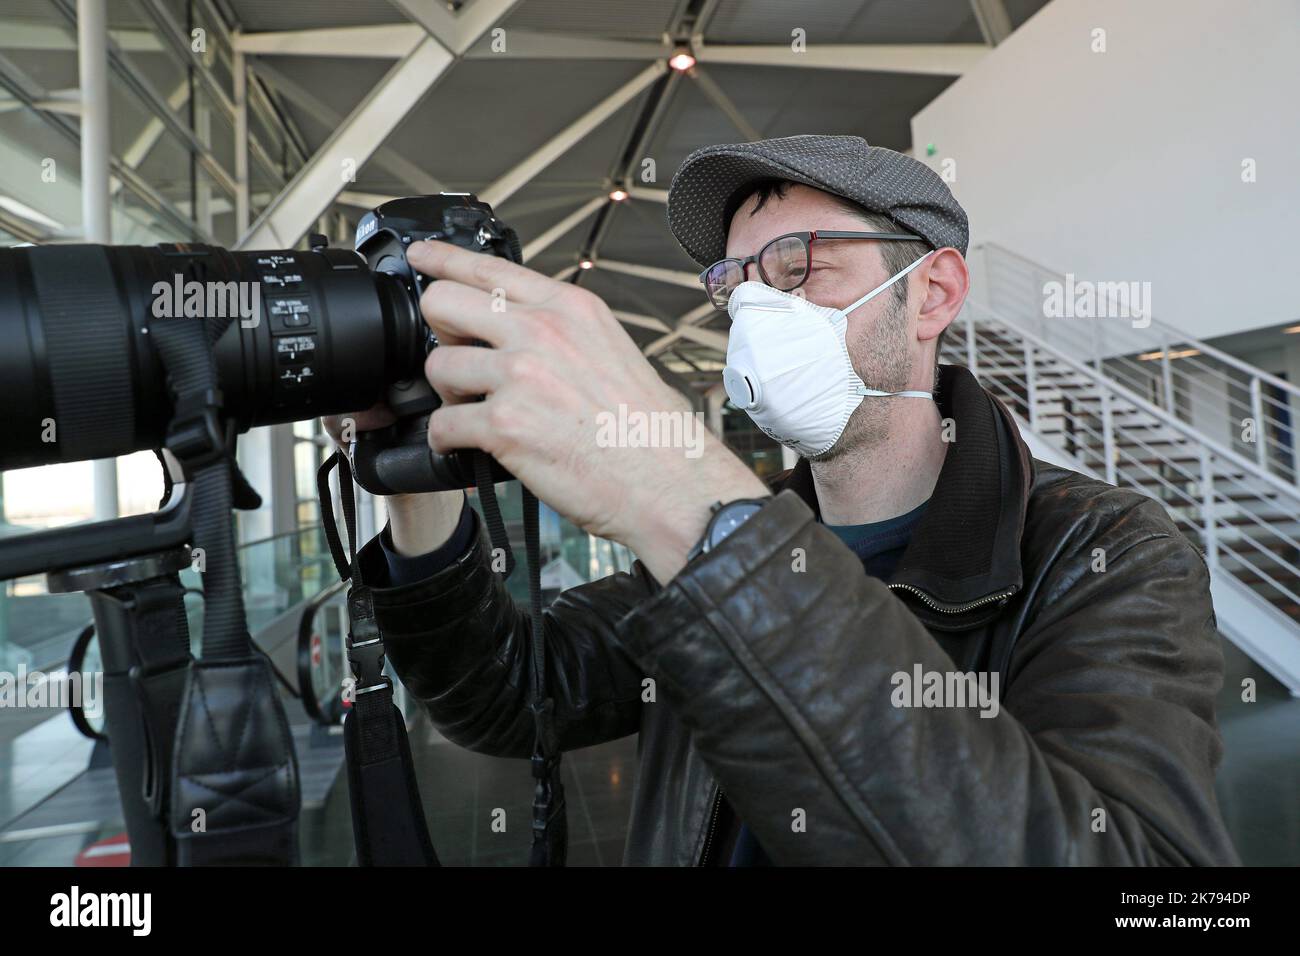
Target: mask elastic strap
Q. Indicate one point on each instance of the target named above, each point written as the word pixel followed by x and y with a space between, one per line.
pixel 885 285
pixel 877 393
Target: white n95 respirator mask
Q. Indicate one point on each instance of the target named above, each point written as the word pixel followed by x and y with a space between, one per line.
pixel 788 365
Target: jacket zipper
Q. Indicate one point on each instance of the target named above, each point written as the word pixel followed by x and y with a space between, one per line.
pixel 954 608
pixel 713 824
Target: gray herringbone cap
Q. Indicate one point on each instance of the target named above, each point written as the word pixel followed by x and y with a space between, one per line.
pixel 713 182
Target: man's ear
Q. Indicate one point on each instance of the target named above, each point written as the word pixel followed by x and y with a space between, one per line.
pixel 945 281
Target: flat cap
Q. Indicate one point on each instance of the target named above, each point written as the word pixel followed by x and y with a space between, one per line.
pixel 713 182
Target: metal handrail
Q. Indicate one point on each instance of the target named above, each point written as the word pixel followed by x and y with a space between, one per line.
pixel 1188 431
pixel 1179 336
pixel 1239 515
pixel 306 690
pixel 306 529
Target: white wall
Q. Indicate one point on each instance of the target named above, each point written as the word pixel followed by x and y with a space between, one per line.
pixel 1127 164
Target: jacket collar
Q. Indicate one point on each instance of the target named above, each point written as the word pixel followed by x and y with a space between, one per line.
pixel 964 556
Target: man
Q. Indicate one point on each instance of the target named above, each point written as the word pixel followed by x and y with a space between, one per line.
pixel 907 651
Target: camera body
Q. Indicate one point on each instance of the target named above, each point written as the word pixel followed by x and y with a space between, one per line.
pixel 397 459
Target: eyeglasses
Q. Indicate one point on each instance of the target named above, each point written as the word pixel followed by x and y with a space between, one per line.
pixel 784 263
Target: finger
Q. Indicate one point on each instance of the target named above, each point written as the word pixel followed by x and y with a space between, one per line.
pixel 465 370
pixel 378 415
pixel 459 426
pixel 485 272
pixel 460 311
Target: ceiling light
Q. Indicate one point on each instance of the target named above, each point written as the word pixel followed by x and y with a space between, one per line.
pixel 681 62
pixel 1175 354
pixel 617 195
pixel 586 264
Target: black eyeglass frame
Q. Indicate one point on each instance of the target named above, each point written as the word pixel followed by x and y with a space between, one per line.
pixel 808 238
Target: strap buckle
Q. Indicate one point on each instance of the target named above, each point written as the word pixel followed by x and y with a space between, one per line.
pixel 367 660
pixel 196 435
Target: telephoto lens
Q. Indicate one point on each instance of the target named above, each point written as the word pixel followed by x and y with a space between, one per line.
pixel 310 333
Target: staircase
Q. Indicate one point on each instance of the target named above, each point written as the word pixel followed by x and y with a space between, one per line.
pixel 1145 407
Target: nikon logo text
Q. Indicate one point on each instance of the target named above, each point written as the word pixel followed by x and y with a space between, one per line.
pixel 103 909
pixel 223 300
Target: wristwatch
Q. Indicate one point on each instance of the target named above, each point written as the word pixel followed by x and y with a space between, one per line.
pixel 725 519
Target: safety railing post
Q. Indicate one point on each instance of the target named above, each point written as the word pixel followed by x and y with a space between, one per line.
pixel 1257 412
pixel 1108 434
pixel 1167 374
pixel 1209 531
pixel 1031 386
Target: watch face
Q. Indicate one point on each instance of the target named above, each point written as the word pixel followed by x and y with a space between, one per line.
pixel 730 517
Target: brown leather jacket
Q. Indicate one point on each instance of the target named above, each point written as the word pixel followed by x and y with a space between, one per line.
pixel 779 684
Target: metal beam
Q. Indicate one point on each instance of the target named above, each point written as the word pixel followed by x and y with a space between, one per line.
pixel 20 227
pixel 512 181
pixel 47 37
pixel 144 143
pixel 381 41
pixel 243 199
pixel 312 191
pixel 710 88
pixel 685 330
pixel 178 39
pixel 92 69
pixel 459 31
pixel 714 340
pixel 991 15
pixel 359 200
pixel 535 45
pixel 686 280
pixel 648 194
pixel 96 203
pixel 641 321
pixel 942 59
pixel 385 156
pixel 135 81
pixel 563 227
pixel 393 40
pixel 22 87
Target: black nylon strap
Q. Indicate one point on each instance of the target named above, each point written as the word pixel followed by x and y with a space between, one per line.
pixel 487 496
pixel 247 796
pixel 550 822
pixel 183 346
pixel 388 824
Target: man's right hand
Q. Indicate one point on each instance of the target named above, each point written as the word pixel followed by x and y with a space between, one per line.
pixel 418 523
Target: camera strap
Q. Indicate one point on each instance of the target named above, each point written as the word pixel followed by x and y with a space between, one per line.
pixel 388 821
pixel 550 821
pixel 233 795
pixel 388 825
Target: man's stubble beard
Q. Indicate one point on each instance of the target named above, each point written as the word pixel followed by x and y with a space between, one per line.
pixel 884 363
